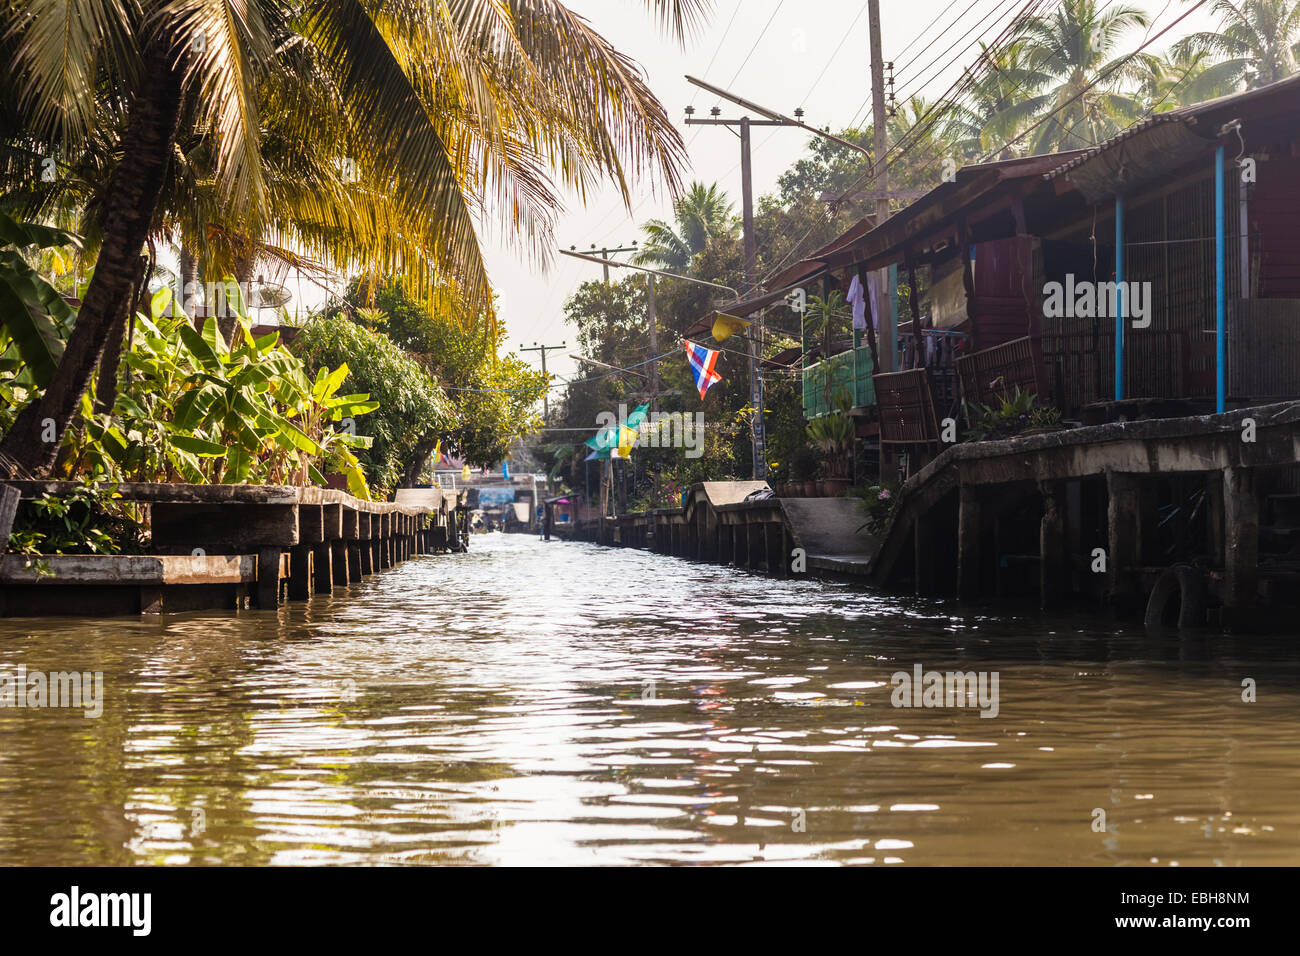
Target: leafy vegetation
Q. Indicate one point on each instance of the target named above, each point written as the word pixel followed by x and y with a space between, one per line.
pixel 412 409
pixel 1014 413
pixel 189 407
pixel 495 398
pixel 832 435
pixel 90 520
pixel 878 502
pixel 361 136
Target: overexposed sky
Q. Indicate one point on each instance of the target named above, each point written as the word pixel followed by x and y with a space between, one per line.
pixel 781 54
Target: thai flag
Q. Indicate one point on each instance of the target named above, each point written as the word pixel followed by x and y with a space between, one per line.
pixel 703 362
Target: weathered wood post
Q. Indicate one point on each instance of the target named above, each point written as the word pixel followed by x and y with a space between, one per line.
pixel 1124 539
pixel 301 571
pixel 339 563
pixel 1240 538
pixel 268 578
pixel 775 534
pixel 969 522
pixel 1054 558
pixel 384 540
pixel 331 528
pixel 8 509
pixel 367 543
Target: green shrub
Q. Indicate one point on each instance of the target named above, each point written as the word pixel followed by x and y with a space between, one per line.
pixel 412 406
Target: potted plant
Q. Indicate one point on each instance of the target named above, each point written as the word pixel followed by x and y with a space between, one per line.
pixel 1014 414
pixel 832 435
pixel 803 473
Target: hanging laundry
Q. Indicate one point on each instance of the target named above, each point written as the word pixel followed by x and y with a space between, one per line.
pixel 873 294
pixel 703 366
pixel 858 300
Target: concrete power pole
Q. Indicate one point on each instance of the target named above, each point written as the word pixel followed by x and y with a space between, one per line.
pixel 880 186
pixel 537 347
pixel 606 253
pixel 751 266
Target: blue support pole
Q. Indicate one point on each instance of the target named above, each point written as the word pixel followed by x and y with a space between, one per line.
pixel 1220 289
pixel 1119 298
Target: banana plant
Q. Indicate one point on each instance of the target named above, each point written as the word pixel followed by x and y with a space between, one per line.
pixel 35 319
pixel 335 445
pixel 192 408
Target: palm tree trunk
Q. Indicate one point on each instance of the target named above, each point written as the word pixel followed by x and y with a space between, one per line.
pixel 133 196
pixel 106 385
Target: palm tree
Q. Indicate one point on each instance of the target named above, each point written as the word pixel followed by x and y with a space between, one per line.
pixel 995 84
pixel 702 214
pixel 1073 53
pixel 440 109
pixel 1179 79
pixel 1257 40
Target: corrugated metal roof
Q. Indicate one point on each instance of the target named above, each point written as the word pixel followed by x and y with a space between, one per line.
pixel 1134 130
pixel 1188 115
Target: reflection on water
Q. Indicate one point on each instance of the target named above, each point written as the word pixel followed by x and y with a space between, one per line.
pixel 562 703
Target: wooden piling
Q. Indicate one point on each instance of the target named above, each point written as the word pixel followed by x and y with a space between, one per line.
pixel 1124 537
pixel 339 562
pixel 969 543
pixel 1241 538
pixel 1054 558
pixel 301 572
pixel 268 578
pixel 322 556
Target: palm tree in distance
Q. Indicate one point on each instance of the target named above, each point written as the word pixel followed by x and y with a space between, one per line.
pixel 1179 79
pixel 1075 54
pixel 700 215
pixel 984 120
pixel 1256 44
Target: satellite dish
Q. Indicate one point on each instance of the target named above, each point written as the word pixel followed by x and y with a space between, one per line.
pixel 269 296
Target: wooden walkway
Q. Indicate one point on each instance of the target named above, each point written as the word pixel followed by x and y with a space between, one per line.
pixel 1046 508
pixel 226 546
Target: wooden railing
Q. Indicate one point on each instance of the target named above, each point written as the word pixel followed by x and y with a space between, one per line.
pixel 1000 370
pixel 906 408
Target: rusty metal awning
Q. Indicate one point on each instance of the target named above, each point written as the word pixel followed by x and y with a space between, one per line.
pixel 1137 157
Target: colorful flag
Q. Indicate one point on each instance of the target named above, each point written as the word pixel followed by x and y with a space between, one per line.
pixel 618 440
pixel 703 366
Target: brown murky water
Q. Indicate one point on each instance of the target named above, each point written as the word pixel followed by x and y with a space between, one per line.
pixel 564 704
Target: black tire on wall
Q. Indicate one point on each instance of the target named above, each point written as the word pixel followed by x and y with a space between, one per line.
pixel 1177 600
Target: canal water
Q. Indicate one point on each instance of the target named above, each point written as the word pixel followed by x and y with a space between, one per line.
pixel 555 703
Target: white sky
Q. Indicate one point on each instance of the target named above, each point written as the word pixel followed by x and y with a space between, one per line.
pixel 792 42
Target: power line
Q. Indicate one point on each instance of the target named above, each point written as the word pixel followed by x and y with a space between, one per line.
pixel 861 110
pixel 902 144
pixel 1115 66
pixel 745 61
pixel 717 49
pixel 926 29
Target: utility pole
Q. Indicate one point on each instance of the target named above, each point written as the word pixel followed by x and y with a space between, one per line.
pixel 751 269
pixel 654 338
pixel 538 347
pixel 880 184
pixel 606 253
